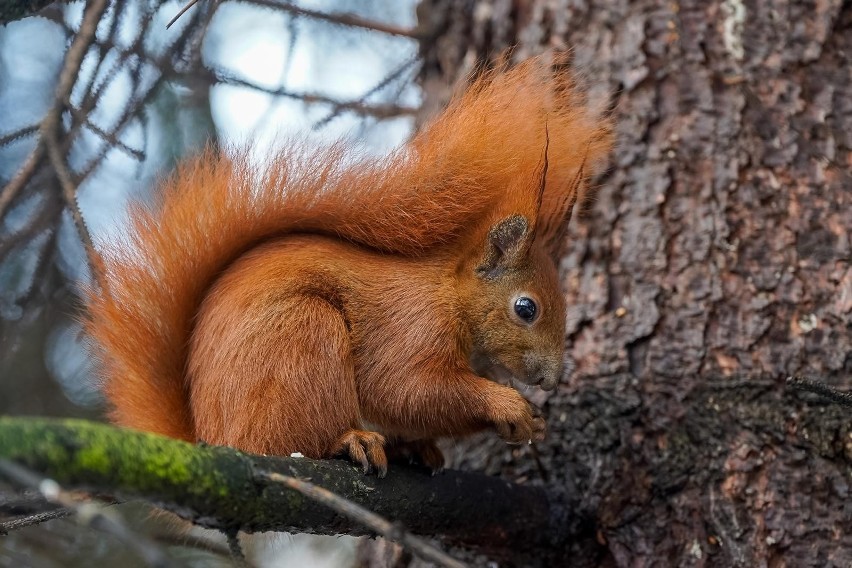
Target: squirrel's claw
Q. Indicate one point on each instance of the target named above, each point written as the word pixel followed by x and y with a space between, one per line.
pixel 366 449
pixel 520 422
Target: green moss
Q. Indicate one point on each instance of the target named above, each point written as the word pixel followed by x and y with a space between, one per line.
pixel 167 464
pixel 94 458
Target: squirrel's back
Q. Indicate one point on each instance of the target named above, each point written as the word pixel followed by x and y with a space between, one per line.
pixel 472 162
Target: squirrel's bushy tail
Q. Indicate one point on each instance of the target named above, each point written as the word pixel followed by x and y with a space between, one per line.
pixel 464 165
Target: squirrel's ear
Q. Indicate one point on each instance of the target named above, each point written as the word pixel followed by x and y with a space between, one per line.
pixel 505 245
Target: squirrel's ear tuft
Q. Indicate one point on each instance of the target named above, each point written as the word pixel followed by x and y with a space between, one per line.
pixel 505 245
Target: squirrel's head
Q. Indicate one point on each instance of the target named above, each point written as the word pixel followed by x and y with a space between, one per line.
pixel 513 305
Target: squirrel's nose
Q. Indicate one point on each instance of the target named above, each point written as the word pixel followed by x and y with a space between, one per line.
pixel 545 374
pixel 548 382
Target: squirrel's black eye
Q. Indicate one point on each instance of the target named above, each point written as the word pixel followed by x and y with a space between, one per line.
pixel 526 309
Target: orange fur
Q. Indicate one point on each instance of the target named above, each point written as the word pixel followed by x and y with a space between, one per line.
pixel 297 306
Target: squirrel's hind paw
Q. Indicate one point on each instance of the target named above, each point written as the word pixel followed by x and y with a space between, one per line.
pixel 364 448
pixel 424 452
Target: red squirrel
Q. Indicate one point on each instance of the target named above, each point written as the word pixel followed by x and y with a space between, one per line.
pixel 332 306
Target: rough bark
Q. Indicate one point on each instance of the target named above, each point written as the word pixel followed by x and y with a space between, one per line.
pixel 715 261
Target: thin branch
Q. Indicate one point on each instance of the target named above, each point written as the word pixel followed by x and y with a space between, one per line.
pixel 67 77
pixel 205 17
pixel 18 134
pixel 390 77
pixel 343 19
pixel 107 137
pixel 183 10
pixel 44 220
pixel 167 71
pixel 822 389
pixel 91 94
pixel 21 178
pixel 190 541
pixel 69 193
pixel 29 520
pixel 91 513
pixel 377 111
pixel 45 256
pixel 51 124
pixel 392 531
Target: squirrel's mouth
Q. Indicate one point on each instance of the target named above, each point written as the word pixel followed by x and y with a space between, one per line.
pixel 495 370
pixel 499 373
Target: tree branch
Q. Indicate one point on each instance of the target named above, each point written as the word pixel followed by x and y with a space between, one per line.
pixel 50 130
pixel 28 520
pixel 822 389
pixel 343 19
pixel 389 530
pixel 381 111
pixel 87 513
pixel 222 488
pixel 51 126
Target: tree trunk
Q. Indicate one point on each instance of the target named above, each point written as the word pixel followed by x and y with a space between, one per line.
pixel 714 262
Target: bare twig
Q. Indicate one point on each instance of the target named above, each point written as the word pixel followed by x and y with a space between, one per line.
pixel 107 137
pixel 390 77
pixel 18 134
pixel 43 258
pixel 93 94
pixel 822 389
pixel 30 520
pixel 190 541
pixel 43 220
pixel 167 70
pixel 183 10
pixel 89 513
pixel 26 502
pixel 51 124
pixel 342 19
pixel 350 20
pixel 21 178
pixel 87 104
pixel 73 60
pixel 387 529
pixel 377 111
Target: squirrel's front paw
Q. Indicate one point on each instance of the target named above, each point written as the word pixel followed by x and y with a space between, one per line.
pixel 518 422
pixel 364 448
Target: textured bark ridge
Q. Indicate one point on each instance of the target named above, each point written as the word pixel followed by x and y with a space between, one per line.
pixel 715 261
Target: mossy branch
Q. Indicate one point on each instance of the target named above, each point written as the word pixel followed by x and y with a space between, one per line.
pixel 222 488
